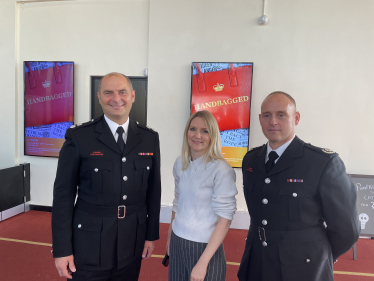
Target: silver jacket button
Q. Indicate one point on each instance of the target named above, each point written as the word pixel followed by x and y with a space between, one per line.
pixel 265 201
pixel 124 159
pixel 264 222
pixel 267 180
pixel 307 260
pixel 294 194
pixel 96 170
pixel 125 178
pixel 124 197
pixel 79 225
pixel 147 167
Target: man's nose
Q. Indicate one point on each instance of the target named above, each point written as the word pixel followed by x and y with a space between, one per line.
pixel 273 120
pixel 117 96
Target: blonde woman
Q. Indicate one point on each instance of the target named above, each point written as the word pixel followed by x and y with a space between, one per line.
pixel 203 206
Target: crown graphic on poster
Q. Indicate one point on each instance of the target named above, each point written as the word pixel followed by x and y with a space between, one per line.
pixel 46 84
pixel 218 87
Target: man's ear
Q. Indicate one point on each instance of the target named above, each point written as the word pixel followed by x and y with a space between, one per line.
pixel 297 118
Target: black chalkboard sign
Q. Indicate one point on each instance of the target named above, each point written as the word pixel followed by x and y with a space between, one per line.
pixel 365 202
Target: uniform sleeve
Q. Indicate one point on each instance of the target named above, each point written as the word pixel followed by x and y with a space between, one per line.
pixel 64 193
pixel 338 197
pixel 154 195
pixel 176 173
pixel 224 201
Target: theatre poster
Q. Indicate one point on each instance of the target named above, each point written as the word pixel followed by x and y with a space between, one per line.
pixel 225 90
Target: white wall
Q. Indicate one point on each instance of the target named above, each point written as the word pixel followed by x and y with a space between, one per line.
pixel 318 51
pixel 100 37
pixel 7 84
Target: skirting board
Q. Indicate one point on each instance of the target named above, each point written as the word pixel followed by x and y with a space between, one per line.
pixel 241 219
pixel 14 211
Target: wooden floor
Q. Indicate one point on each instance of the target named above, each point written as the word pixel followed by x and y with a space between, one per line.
pixel 25 253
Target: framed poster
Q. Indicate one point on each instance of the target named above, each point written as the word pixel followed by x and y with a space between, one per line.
pixel 49 106
pixel 225 90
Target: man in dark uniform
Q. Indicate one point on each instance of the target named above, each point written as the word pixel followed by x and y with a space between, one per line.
pixel 290 199
pixel 115 162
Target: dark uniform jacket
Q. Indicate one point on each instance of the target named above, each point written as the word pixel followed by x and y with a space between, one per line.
pixel 90 229
pixel 287 240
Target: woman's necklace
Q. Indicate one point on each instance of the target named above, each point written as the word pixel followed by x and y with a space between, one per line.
pixel 195 166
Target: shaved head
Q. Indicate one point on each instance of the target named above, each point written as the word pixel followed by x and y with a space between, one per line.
pixel 114 74
pixel 291 99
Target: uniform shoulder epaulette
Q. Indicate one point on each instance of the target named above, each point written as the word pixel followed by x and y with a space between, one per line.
pixel 145 127
pixel 81 125
pixel 255 148
pixel 325 151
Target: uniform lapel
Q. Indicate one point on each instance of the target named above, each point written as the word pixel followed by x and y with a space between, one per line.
pixel 294 150
pixel 106 135
pixel 133 137
pixel 260 160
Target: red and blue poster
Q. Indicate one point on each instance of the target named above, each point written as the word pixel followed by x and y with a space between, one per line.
pixel 49 106
pixel 225 90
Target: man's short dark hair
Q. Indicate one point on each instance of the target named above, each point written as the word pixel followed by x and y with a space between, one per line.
pixel 285 94
pixel 111 74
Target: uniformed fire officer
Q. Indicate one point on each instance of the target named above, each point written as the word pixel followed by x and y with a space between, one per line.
pixel 115 162
pixel 292 189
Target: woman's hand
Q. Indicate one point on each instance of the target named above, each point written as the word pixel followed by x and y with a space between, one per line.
pixel 169 232
pixel 198 272
pixel 168 243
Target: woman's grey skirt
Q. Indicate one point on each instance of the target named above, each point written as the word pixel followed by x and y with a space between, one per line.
pixel 183 256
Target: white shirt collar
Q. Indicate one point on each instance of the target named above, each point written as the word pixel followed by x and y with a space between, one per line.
pixel 113 126
pixel 279 150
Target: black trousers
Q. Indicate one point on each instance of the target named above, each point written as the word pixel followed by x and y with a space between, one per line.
pixel 128 273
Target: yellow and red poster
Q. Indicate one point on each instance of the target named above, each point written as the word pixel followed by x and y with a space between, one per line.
pixel 225 90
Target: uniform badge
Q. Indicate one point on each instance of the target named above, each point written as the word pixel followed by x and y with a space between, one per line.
pixel 96 153
pixel 250 169
pixel 328 151
pixel 145 153
pixel 295 180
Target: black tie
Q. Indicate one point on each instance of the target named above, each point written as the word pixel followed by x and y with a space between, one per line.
pixel 271 162
pixel 120 142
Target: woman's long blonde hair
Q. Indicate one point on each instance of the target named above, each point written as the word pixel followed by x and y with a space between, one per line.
pixel 214 149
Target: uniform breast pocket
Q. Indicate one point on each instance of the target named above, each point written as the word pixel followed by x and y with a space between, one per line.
pixel 99 173
pixel 143 168
pixel 298 199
